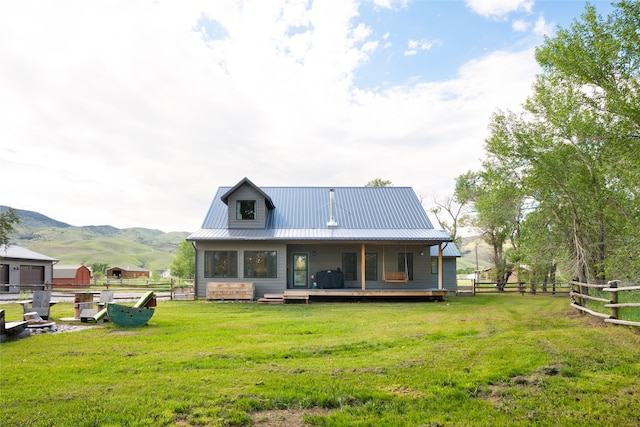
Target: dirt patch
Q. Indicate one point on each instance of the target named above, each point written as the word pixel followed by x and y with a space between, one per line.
pixel 286 417
pixel 72 328
pixel 402 390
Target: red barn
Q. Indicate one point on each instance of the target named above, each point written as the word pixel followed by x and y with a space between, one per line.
pixel 71 275
pixel 128 273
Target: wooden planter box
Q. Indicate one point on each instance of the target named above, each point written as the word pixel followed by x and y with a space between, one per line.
pixel 184 294
pixel 230 291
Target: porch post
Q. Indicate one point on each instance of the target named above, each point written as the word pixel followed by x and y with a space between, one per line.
pixel 362 268
pixel 440 284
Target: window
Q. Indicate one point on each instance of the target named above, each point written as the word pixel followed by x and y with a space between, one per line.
pixel 221 264
pixel 405 263
pixel 349 266
pixel 371 266
pixel 434 265
pixel 261 264
pixel 246 209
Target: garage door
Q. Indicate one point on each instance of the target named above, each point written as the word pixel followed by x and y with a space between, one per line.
pixel 31 274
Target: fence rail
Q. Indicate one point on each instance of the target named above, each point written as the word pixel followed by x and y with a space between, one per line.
pixel 521 287
pixel 607 296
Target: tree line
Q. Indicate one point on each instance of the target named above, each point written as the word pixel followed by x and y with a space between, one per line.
pixel 558 189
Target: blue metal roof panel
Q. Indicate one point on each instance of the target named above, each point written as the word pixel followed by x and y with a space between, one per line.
pixel 449 249
pixel 302 213
pixel 355 208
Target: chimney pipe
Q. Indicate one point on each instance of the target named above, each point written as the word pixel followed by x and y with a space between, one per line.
pixel 332 207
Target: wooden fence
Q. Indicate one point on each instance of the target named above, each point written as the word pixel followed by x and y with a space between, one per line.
pixel 589 298
pixel 521 287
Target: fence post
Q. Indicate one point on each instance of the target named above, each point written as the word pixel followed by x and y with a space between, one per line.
pixel 614 298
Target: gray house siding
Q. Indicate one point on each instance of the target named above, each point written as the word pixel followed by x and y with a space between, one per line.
pixel 325 257
pixel 263 285
pixel 246 192
pixel 449 279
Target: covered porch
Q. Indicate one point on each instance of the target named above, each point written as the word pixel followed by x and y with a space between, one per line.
pixel 366 269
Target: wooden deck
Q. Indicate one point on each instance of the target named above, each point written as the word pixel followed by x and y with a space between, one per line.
pixel 355 294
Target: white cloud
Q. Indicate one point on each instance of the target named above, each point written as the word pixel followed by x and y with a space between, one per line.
pixel 542 28
pixel 416 46
pixel 391 4
pixel 520 25
pixel 499 8
pixel 128 115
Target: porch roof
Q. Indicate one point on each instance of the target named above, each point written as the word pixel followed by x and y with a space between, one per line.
pixel 292 234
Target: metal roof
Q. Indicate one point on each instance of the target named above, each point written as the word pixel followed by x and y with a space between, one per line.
pixel 267 199
pixel 140 269
pixel 449 249
pixel 66 271
pixel 302 213
pixel 18 252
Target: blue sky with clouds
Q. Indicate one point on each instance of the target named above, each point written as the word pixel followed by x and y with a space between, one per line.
pixel 132 113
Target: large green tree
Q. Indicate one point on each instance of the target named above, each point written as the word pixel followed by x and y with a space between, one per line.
pixel 183 264
pixel 588 99
pixel 576 150
pixel 496 199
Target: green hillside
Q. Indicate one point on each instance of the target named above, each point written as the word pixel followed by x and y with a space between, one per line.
pixel 471 245
pixel 130 247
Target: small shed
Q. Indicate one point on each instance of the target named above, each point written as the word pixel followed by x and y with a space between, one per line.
pixel 128 273
pixel 71 275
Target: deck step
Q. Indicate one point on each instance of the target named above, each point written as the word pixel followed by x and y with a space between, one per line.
pixel 297 297
pixel 271 299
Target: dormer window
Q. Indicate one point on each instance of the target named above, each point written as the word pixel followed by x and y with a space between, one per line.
pixel 245 209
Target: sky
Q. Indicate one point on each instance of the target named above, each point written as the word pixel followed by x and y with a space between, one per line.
pixel 133 113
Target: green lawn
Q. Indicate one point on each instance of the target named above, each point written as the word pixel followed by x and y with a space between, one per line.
pixel 486 360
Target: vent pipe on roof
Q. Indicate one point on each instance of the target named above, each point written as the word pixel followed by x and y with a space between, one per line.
pixel 332 209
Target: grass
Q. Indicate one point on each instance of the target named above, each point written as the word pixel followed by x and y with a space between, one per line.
pixel 483 360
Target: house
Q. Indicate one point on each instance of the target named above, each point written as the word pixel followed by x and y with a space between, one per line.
pixel 164 274
pixel 128 273
pixel 23 269
pixel 71 275
pixel 314 241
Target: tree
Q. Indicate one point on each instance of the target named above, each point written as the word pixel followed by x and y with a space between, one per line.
pixel 183 265
pixel 603 54
pixel 497 202
pixel 450 215
pixel 599 59
pixel 98 269
pixel 379 182
pixel 8 220
pixel 574 152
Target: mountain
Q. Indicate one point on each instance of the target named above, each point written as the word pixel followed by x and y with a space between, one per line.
pixel 129 247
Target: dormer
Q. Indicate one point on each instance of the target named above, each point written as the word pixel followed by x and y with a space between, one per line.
pixel 247 205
